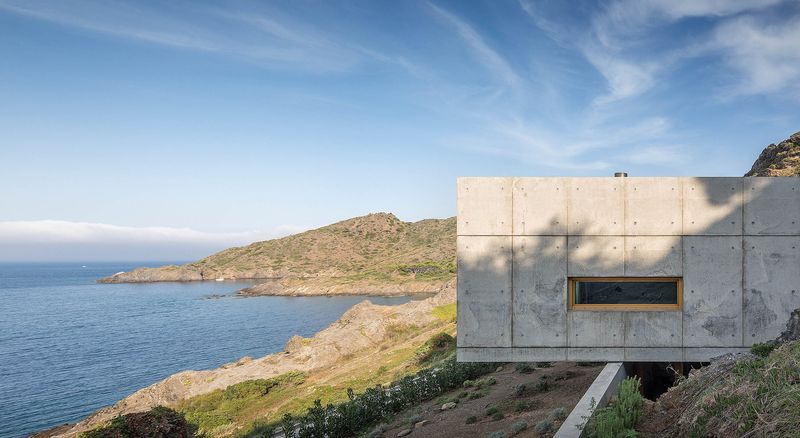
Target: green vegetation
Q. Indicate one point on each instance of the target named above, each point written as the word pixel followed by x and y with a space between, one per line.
pixel 544 364
pixel 759 397
pixel 223 407
pixel 519 426
pixel 619 418
pixel 471 419
pixel 157 422
pixel 377 247
pixel 376 404
pixel 524 406
pixel 524 368
pixel 436 348
pixel 544 426
pixel 558 414
pixel 544 384
pixel 446 313
pixel 491 410
pixel 762 350
pixel 519 389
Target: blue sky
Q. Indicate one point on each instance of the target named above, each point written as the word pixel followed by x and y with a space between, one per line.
pixel 190 126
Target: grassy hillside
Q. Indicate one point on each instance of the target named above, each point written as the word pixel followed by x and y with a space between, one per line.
pixel 378 244
pixel 378 249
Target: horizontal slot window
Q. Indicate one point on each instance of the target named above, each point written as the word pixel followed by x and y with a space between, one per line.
pixel 625 293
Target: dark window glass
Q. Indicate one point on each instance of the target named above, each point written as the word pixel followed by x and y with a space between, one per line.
pixel 626 292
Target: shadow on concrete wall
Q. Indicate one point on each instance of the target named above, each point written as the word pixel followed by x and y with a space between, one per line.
pixel 726 315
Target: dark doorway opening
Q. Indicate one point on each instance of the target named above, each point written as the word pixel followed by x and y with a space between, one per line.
pixel 658 377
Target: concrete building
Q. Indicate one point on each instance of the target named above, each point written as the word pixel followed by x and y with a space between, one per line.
pixel 624 269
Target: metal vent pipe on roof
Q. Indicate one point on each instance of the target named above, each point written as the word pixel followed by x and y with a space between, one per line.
pixel 621 174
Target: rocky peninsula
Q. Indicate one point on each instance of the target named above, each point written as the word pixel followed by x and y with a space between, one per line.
pixel 376 254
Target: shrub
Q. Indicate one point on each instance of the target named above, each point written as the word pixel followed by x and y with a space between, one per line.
pixel 360 411
pixel 414 419
pixel 524 368
pixel 498 434
pixel 477 394
pixel 497 416
pixel 159 421
pixel 519 426
pixel 491 410
pixel 762 350
pixel 558 414
pixel 618 419
pixel 543 385
pixel 543 426
pixel 519 389
pixel 544 364
pixel 287 423
pixel 472 419
pixel 436 348
pixel 523 405
pixel 463 394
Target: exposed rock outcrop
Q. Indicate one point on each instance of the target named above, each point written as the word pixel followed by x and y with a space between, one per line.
pixel 361 328
pixel 782 159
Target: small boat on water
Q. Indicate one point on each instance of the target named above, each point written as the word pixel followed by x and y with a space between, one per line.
pixel 221 279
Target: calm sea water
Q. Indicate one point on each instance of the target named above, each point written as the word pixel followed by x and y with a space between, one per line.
pixel 69 346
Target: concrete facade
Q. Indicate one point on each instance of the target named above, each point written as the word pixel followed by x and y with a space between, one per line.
pixel 735 242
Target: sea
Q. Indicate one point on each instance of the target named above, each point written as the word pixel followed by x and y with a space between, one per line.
pixel 69 346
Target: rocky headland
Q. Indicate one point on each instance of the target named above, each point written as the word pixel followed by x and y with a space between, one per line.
pixel 377 254
pixel 359 340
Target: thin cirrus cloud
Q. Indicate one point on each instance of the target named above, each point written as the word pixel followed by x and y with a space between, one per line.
pixel 252 37
pixel 65 240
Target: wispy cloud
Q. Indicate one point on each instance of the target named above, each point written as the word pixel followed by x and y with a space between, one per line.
pixel 487 56
pixel 45 240
pixel 263 37
pixel 620 41
pixel 55 231
pixel 766 55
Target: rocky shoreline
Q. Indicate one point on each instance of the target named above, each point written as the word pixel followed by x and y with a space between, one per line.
pixel 359 330
pixel 285 285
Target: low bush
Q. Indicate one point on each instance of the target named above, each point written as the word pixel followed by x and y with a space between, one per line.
pixel 620 417
pixel 436 348
pixel 491 410
pixel 524 368
pixel 544 364
pixel 544 426
pixel 519 427
pixel 361 411
pixel 524 406
pixel 159 421
pixel 558 414
pixel 543 385
pixel 519 389
pixel 498 434
pixel 477 394
pixel 762 350
pixel 471 419
pixel 497 416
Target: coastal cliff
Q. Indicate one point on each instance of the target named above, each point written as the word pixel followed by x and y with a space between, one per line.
pixel 379 341
pixel 373 254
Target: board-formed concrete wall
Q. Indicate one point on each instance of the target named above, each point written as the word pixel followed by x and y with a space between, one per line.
pixel 735 242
